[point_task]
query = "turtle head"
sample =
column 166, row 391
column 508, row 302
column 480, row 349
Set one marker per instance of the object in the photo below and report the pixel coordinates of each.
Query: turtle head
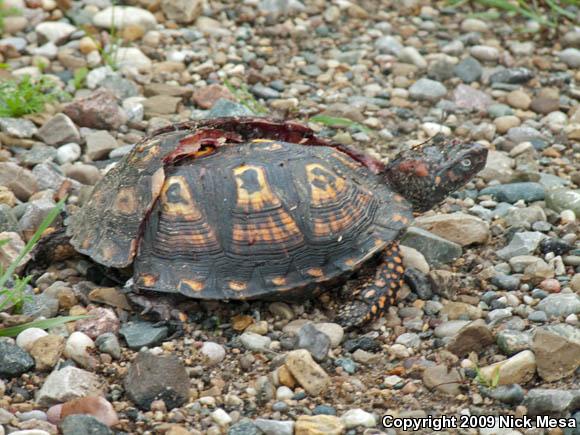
column 426, row 174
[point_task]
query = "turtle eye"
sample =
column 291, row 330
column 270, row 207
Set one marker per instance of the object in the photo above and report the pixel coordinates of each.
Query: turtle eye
column 466, row 163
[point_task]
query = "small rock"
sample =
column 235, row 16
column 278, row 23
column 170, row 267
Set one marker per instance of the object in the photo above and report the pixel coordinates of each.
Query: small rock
column 182, row 11
column 121, row 17
column 207, row 96
column 540, row 401
column 21, row 128
column 79, row 424
column 427, row 90
column 435, row 249
column 255, row 342
column 99, row 110
column 474, row 337
column 47, row 351
column 221, row 417
column 571, row 57
column 358, row 417
column 524, row 243
column 13, row 360
column 512, row 76
column 25, row 340
column 560, row 305
column 213, row 352
column 78, row 347
column 517, row 369
column 307, row 372
column 484, row 53
column 67, row 384
column 275, row 427
column 97, row 407
column 58, row 130
column 468, row 70
column 100, row 144
column 314, row 341
column 563, row 199
column 414, row 259
column 151, row 377
column 54, row 31
column 334, row 331
column 109, row 343
column 528, row 191
column 143, row 334
column 68, row 153
column 457, row 227
column 467, row 97
column 442, row 379
column 11, row 250
column 557, row 350
column 318, row 425
column 512, row 394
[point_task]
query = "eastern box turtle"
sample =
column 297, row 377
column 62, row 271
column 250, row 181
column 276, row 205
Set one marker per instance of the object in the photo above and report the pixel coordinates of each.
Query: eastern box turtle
column 245, row 208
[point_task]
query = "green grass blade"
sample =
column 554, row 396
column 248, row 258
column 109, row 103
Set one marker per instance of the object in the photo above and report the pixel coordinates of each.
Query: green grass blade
column 50, row 217
column 335, row 121
column 13, row 331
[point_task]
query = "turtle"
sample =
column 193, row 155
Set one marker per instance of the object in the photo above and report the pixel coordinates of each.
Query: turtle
column 241, row 208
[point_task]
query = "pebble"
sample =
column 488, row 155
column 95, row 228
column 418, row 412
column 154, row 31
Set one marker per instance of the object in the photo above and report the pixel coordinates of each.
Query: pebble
column 275, row 427
column 560, row 304
column 435, row 249
column 544, row 401
column 47, row 351
column 468, row 70
column 510, row 394
column 442, row 379
column 307, row 372
column 255, row 342
column 318, row 424
column 313, row 340
column 97, row 407
column 78, row 348
column 67, row 384
column 26, row 338
column 460, row 228
column 122, row 17
column 557, row 350
column 221, row 417
column 143, row 334
column 83, row 425
column 471, row 338
column 109, row 343
column 213, row 352
column 513, row 76
column 564, row 199
column 54, row 31
column 358, row 417
column 571, row 57
column 21, row 128
column 427, row 90
column 333, row 331
column 518, row 369
column 13, row 360
column 58, row 130
column 514, row 192
column 151, row 377
column 524, row 243
column 484, row 53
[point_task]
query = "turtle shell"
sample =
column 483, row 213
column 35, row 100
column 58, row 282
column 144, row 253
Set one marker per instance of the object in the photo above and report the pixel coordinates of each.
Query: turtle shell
column 252, row 217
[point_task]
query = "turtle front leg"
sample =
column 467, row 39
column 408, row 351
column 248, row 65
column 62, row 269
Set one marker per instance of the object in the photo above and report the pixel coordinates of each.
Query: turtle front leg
column 371, row 302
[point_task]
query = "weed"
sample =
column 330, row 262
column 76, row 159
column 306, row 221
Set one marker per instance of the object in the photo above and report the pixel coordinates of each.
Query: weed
column 333, row 121
column 80, row 77
column 545, row 12
column 245, row 97
column 486, row 382
column 15, row 295
column 24, row 96
column 6, row 12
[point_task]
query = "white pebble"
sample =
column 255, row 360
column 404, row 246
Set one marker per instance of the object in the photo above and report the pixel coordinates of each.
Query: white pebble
column 284, row 393
column 358, row 417
column 76, row 349
column 572, row 319
column 567, row 216
column 221, row 417
column 68, row 153
column 26, row 338
column 214, row 352
column 432, row 128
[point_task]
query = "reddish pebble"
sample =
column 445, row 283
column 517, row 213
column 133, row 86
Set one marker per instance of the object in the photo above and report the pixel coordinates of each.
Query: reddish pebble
column 102, row 320
column 98, row 407
column 551, row 285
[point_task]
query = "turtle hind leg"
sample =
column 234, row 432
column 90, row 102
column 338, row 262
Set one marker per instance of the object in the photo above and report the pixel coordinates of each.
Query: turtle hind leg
column 371, row 302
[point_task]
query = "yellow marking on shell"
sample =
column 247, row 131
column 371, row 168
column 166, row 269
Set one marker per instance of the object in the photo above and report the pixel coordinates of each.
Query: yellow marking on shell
column 279, row 280
column 237, row 286
column 346, row 160
column 185, row 207
column 374, row 309
column 398, row 198
column 193, row 284
column 350, row 262
column 400, row 269
column 147, row 280
column 315, row 272
column 391, row 265
column 262, row 140
column 126, row 200
column 370, row 294
column 382, row 301
column 380, row 282
column 397, row 260
column 279, row 228
column 257, row 200
column 146, row 152
column 324, row 185
column 437, row 180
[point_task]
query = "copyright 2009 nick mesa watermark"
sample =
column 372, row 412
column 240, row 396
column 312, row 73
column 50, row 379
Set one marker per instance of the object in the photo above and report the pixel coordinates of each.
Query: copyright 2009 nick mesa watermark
column 477, row 422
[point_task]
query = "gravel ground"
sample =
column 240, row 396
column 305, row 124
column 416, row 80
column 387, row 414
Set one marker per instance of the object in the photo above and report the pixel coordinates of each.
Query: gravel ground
column 494, row 330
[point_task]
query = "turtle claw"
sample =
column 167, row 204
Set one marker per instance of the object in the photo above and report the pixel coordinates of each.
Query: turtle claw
column 353, row 315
